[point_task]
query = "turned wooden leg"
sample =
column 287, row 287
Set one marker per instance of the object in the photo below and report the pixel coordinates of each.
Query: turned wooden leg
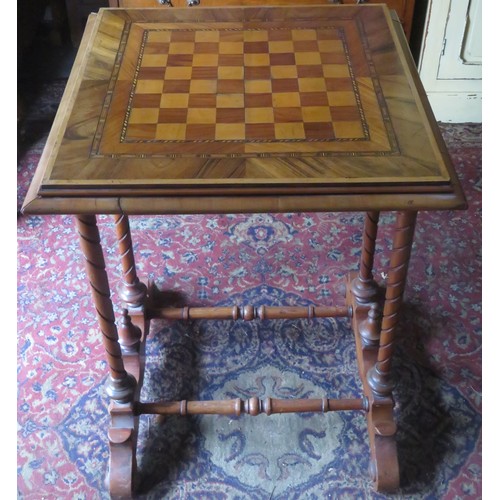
column 121, row 385
column 374, row 357
column 369, row 328
column 122, row 382
column 132, row 291
column 382, row 427
column 124, row 428
column 132, row 330
column 364, row 288
column 379, row 377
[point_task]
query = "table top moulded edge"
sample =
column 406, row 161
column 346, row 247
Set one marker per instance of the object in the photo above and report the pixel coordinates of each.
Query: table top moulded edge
column 444, row 197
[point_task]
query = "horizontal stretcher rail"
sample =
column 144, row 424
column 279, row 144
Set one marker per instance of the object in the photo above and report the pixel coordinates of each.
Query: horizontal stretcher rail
column 248, row 313
column 253, row 406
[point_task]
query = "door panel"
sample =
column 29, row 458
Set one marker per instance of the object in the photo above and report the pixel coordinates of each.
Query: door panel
column 461, row 53
column 450, row 64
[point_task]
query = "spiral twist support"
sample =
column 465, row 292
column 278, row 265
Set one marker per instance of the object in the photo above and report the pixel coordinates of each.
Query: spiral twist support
column 132, row 291
column 379, row 376
column 369, row 239
column 120, row 385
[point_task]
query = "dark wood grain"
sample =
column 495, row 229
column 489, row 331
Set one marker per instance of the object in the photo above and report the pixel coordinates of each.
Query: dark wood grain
column 244, row 110
column 403, row 8
column 258, row 105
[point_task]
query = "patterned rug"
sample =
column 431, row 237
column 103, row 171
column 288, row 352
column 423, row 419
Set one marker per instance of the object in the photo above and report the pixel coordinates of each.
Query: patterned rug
column 256, row 259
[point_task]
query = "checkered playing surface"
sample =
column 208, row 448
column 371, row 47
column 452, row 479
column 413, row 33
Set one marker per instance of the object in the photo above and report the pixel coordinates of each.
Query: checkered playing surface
column 262, row 85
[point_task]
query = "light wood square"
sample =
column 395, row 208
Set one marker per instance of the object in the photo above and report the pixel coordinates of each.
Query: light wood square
column 230, row 101
column 305, row 34
column 281, row 47
column 307, row 58
column 259, row 115
column 201, row 115
column 257, row 60
column 162, row 36
column 205, row 60
column 178, row 100
column 336, row 70
column 230, row 131
column 258, row 86
column 341, row 98
column 286, row 71
column 255, row 36
column 170, row 131
column 289, row 130
column 348, row 130
column 330, row 46
column 178, row 72
column 203, row 86
column 143, row 115
column 312, row 85
column 207, row 36
column 181, row 48
column 154, row 60
column 149, row 87
column 230, row 72
column 316, row 114
column 230, row 47
column 286, row 99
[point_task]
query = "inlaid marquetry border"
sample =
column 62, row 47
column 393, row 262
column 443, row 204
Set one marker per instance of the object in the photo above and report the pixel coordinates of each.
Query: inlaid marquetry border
column 341, row 35
column 393, row 149
column 389, row 129
column 109, row 94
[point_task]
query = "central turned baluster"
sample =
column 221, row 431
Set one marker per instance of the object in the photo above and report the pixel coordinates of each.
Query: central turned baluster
column 132, row 291
column 364, row 288
column 132, row 331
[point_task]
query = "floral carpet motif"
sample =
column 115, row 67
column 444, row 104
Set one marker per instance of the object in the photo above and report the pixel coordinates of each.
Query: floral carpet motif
column 292, row 259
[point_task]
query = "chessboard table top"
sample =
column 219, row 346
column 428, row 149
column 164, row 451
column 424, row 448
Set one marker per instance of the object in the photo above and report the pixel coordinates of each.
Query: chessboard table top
column 243, row 109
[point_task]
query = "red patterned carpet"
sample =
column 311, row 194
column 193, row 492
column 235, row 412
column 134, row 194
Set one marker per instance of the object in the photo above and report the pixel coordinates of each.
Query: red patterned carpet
column 276, row 258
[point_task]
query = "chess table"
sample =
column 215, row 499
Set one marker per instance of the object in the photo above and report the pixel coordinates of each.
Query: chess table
column 245, row 110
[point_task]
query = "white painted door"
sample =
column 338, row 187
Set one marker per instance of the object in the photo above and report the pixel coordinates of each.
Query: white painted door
column 450, row 64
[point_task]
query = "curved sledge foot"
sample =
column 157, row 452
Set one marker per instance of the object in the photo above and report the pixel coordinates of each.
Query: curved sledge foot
column 122, row 452
column 384, row 467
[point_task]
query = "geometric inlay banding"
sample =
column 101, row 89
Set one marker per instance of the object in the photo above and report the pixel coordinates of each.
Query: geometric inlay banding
column 229, row 89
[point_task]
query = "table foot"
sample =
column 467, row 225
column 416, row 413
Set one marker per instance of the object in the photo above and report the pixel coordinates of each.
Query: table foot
column 124, row 427
column 122, row 436
column 384, row 467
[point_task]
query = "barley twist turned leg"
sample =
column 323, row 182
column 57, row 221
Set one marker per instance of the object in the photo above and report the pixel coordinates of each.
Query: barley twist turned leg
column 120, row 385
column 379, row 377
column 132, row 291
